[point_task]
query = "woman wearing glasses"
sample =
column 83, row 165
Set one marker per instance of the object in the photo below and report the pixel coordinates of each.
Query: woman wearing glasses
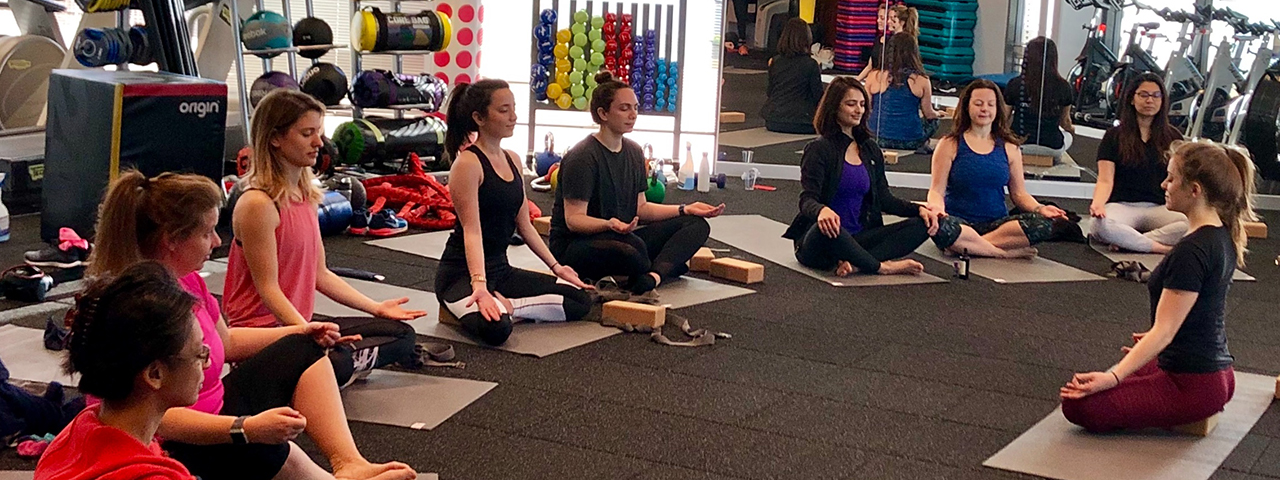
column 1128, row 203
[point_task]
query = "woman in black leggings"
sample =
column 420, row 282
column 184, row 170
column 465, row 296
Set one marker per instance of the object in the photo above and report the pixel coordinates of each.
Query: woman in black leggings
column 600, row 202
column 475, row 282
column 840, row 224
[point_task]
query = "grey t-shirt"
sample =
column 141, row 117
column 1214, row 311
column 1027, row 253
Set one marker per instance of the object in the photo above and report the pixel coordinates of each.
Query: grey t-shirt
column 609, row 181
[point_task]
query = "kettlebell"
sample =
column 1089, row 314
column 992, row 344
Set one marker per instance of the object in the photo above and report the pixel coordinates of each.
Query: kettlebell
column 545, row 159
column 657, row 191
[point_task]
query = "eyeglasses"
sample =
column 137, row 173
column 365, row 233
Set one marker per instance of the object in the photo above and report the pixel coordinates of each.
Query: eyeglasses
column 1150, row 96
column 204, row 357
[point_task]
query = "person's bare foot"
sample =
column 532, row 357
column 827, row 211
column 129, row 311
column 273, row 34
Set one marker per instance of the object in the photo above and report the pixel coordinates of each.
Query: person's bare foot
column 843, row 269
column 1113, row 247
column 1157, row 247
column 375, row 471
column 1024, row 252
column 742, row 50
column 901, row 267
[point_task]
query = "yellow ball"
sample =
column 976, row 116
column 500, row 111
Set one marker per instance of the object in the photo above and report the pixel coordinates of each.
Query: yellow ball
column 563, row 65
column 561, row 50
column 562, row 78
column 554, row 90
column 564, row 35
column 555, row 176
column 564, row 101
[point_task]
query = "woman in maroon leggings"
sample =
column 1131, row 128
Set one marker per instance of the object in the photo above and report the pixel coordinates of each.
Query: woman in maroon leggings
column 1180, row 371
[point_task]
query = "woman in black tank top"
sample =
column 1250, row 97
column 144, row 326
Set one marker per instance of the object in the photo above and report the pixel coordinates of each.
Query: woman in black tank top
column 475, row 283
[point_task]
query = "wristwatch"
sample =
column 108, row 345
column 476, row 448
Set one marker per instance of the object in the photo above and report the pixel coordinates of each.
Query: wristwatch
column 237, row 431
column 682, row 209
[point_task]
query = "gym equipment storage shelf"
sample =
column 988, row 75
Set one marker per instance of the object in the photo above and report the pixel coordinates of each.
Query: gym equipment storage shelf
column 306, row 48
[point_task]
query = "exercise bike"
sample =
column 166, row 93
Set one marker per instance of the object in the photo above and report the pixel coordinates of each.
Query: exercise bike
column 1135, row 61
column 1093, row 67
column 1182, row 79
column 26, row 62
column 1209, row 119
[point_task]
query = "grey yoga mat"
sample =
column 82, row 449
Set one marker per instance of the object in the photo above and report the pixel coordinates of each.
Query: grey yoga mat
column 420, row 402
column 1149, row 260
column 24, row 354
column 762, row 237
column 1014, row 270
column 1057, row 449
column 759, row 137
column 527, row 338
column 687, row 291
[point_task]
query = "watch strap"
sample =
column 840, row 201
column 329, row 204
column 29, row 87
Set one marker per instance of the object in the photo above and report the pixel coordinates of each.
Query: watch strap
column 237, row 431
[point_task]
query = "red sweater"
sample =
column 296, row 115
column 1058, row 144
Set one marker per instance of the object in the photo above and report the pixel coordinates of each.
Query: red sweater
column 87, row 449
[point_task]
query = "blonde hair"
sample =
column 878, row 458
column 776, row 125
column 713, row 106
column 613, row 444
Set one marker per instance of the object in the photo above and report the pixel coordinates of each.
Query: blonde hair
column 909, row 18
column 275, row 115
column 1226, row 174
column 138, row 212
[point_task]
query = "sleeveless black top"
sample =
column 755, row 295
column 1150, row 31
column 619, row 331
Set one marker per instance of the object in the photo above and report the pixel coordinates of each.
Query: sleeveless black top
column 500, row 201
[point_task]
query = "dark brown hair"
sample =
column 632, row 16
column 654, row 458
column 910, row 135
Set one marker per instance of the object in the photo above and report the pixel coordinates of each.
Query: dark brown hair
column 1162, row 134
column 138, row 212
column 1039, row 69
column 1226, row 175
column 999, row 128
column 602, row 99
column 795, row 39
column 467, row 99
column 826, row 121
column 902, row 58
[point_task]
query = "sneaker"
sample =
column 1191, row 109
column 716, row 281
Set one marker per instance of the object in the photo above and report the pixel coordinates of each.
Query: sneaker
column 25, row 283
column 359, row 222
column 55, row 337
column 71, row 251
column 385, row 223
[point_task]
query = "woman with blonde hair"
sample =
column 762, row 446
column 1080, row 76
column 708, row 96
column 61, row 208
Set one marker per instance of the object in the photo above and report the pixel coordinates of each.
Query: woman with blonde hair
column 277, row 260
column 242, row 425
column 1180, row 371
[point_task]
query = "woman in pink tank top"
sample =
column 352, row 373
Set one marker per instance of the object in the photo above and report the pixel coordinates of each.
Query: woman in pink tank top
column 241, row 425
column 277, row 261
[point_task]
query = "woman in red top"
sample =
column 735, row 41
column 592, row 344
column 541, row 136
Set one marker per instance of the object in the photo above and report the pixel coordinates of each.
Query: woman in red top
column 136, row 346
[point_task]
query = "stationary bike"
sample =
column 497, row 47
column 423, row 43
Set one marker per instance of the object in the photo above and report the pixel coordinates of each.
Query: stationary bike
column 1209, row 119
column 1182, row 79
column 27, row 60
column 1093, row 67
column 1135, row 61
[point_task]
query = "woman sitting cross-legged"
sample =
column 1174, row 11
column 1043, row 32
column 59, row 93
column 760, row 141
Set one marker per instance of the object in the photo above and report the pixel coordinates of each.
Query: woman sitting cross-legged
column 242, row 425
column 840, row 224
column 138, row 349
column 1180, row 371
column 901, row 114
column 971, row 169
column 1128, row 204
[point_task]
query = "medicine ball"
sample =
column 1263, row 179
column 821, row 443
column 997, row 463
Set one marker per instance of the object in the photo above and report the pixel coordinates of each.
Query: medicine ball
column 312, row 31
column 266, row 30
column 270, row 81
column 326, row 82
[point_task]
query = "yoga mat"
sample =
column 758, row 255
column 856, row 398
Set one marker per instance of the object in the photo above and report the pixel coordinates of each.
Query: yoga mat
column 16, row 475
column 762, row 237
column 420, row 402
column 215, row 273
column 1014, row 270
column 759, row 137
column 1055, row 448
column 526, row 338
column 685, row 292
column 24, row 354
column 1149, row 260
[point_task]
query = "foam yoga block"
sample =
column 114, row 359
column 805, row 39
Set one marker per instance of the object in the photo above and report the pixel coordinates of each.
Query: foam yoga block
column 737, row 270
column 1255, row 229
column 701, row 261
column 890, row 158
column 1200, row 429
column 638, row 314
column 733, row 117
column 542, row 225
column 1037, row 160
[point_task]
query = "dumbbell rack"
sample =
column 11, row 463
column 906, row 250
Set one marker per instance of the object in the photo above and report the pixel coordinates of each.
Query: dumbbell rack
column 644, row 16
column 267, row 63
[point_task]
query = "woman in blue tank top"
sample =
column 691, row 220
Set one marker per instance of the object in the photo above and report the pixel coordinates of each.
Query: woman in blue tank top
column 902, row 115
column 971, row 169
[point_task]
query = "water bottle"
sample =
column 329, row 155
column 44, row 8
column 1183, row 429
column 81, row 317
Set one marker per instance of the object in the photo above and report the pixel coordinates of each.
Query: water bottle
column 704, row 174
column 4, row 212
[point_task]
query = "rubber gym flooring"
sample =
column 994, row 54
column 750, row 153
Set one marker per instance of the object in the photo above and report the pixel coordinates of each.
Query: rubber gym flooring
column 914, row 382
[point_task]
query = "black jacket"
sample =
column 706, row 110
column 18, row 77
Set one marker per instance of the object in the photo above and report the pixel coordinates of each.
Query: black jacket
column 820, row 170
column 795, row 87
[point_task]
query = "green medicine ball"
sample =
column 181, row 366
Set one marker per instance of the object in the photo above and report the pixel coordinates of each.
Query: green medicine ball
column 576, row 52
column 580, row 103
column 577, row 90
column 597, row 59
column 580, row 40
column 575, row 77
column 594, row 35
column 581, row 16
column 579, row 64
column 591, row 81
column 597, row 22
column 578, row 29
column 597, row 45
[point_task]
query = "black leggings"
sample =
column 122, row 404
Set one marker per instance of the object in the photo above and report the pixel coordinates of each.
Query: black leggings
column 534, row 296
column 663, row 247
column 742, row 18
column 384, row 342
column 260, row 383
column 865, row 250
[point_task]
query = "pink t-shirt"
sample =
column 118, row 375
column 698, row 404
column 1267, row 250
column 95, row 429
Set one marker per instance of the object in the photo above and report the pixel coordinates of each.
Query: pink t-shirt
column 297, row 251
column 206, row 312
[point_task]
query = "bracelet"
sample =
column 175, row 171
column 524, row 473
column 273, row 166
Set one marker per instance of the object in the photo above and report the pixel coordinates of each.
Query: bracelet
column 1113, row 373
column 682, row 209
column 553, row 267
column 478, row 278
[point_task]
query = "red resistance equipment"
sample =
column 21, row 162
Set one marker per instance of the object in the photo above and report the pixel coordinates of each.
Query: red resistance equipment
column 419, row 198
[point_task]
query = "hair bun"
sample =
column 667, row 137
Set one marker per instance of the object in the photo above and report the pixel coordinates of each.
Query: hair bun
column 604, row 76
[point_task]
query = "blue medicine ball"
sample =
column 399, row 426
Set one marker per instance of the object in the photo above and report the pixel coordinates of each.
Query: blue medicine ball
column 546, row 59
column 546, row 46
column 671, row 104
column 266, row 30
column 659, row 103
column 544, row 32
column 549, row 17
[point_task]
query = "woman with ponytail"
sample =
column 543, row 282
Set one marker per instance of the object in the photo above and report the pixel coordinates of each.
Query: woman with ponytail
column 601, row 202
column 283, row 383
column 475, row 282
column 1180, row 371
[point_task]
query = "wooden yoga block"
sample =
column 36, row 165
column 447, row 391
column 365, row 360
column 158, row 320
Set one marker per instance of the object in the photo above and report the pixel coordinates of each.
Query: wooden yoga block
column 638, row 314
column 1277, row 387
column 1200, row 429
column 1255, row 229
column 890, row 157
column 542, row 225
column 701, row 261
column 737, row 270
column 733, row 117
column 1037, row 160
column 447, row 317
